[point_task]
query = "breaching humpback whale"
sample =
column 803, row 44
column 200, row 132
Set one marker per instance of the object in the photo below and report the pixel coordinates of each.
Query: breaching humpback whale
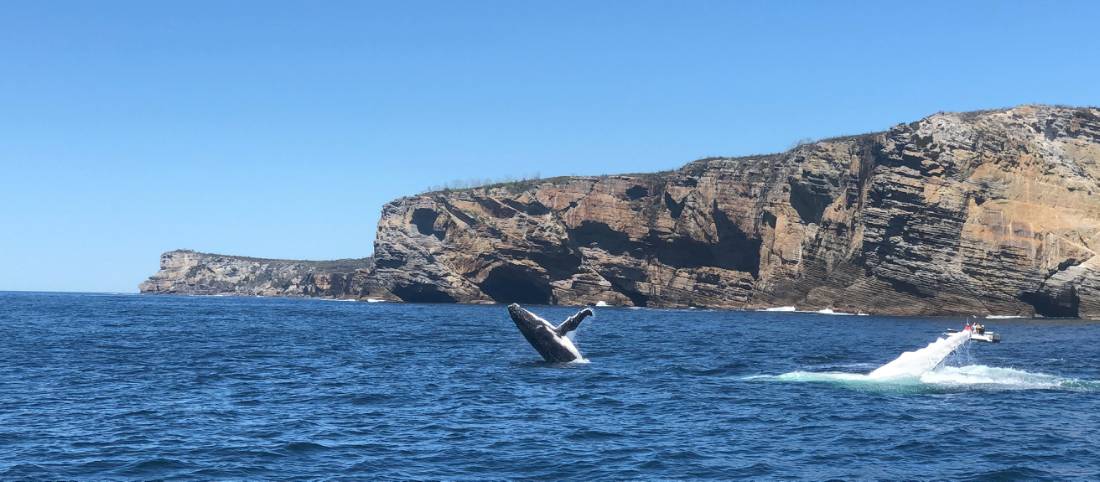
column 549, row 340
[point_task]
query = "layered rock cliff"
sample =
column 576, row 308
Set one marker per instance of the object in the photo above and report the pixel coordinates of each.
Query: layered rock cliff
column 990, row 212
column 190, row 272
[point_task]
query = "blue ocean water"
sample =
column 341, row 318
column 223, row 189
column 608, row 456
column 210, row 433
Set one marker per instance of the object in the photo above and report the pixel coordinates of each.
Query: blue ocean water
column 140, row 387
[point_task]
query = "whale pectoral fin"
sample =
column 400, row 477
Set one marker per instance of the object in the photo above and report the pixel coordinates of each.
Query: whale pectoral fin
column 573, row 322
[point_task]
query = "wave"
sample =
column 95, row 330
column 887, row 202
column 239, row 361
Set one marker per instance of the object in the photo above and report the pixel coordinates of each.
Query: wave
column 794, row 309
column 830, row 311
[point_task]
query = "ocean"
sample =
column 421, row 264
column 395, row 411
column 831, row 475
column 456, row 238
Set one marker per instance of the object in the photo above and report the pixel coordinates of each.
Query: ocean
column 102, row 386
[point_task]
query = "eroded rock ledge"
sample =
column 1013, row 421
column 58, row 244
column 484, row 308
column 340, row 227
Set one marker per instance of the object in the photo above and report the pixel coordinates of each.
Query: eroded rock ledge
column 992, row 212
column 190, row 272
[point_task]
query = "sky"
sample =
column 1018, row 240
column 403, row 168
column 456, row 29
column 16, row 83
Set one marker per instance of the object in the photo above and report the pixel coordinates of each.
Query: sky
column 279, row 129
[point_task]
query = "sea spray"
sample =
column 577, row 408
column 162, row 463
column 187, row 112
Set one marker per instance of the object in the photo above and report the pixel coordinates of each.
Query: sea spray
column 927, row 368
column 962, row 356
column 913, row 364
column 1002, row 378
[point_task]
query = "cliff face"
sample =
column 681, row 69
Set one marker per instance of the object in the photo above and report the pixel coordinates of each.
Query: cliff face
column 987, row 213
column 189, row 272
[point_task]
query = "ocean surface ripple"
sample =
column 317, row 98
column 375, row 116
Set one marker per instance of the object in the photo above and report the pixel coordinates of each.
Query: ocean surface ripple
column 166, row 387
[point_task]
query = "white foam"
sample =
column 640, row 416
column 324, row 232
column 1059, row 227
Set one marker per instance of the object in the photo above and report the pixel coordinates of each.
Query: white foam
column 374, row 300
column 1002, row 317
column 801, row 376
column 602, row 303
column 965, row 377
column 829, row 311
column 794, row 309
column 924, row 367
column 994, row 376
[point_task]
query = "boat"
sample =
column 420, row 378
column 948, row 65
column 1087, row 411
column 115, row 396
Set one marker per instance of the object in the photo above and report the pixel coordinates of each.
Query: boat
column 980, row 335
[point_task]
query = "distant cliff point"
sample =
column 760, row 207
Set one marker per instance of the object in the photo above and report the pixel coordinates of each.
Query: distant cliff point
column 190, row 272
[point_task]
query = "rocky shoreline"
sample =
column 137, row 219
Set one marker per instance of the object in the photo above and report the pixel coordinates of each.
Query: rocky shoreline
column 193, row 273
column 987, row 213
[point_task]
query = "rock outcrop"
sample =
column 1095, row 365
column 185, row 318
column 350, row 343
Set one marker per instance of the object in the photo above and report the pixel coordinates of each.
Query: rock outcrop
column 190, row 272
column 991, row 212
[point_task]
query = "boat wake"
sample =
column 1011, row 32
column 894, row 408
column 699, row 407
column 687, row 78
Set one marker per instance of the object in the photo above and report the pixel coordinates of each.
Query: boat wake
column 924, row 369
column 970, row 377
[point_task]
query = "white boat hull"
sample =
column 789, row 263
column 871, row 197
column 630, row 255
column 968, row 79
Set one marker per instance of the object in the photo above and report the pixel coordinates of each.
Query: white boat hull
column 988, row 337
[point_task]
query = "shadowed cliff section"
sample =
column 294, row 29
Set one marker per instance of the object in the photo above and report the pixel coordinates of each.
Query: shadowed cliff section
column 990, row 212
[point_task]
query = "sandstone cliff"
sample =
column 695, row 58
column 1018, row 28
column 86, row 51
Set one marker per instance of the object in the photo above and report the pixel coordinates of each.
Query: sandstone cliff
column 990, row 212
column 190, row 272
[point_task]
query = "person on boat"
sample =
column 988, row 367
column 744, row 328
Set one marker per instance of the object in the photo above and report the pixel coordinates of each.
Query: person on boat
column 967, row 327
column 980, row 328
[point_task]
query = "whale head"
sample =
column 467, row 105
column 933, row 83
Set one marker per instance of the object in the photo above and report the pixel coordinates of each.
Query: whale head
column 526, row 321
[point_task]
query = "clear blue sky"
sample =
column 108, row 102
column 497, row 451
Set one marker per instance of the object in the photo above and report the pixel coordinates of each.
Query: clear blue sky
column 279, row 129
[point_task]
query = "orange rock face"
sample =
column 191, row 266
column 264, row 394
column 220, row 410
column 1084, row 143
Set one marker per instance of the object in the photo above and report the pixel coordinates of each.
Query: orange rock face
column 981, row 213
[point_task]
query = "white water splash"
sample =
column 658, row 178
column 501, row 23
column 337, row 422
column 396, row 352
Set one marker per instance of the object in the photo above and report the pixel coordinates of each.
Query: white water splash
column 916, row 363
column 965, row 378
column 794, row 309
column 923, row 368
column 998, row 377
column 830, row 311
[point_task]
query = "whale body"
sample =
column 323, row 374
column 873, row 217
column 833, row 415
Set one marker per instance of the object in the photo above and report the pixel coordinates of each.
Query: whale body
column 549, row 340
